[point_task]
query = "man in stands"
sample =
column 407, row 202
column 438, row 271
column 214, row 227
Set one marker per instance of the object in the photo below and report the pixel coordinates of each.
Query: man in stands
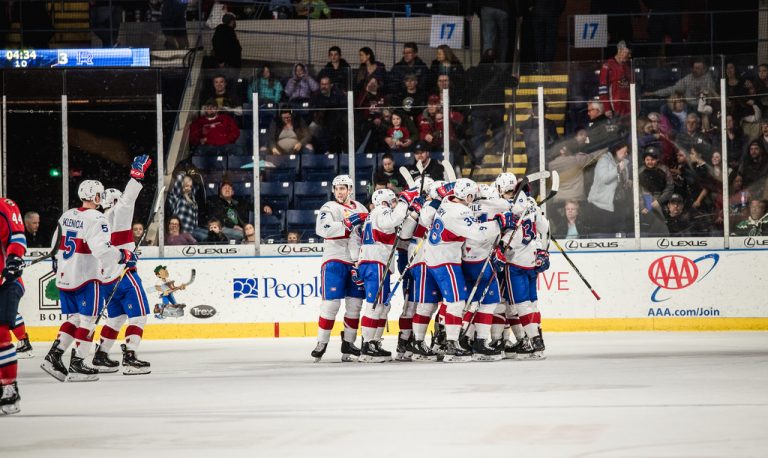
column 410, row 64
column 337, row 70
column 214, row 133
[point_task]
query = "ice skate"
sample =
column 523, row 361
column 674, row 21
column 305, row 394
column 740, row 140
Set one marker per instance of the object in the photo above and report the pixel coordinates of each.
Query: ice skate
column 349, row 352
column 319, row 351
column 537, row 347
column 370, row 353
column 386, row 354
column 79, row 371
column 53, row 365
column 403, row 349
column 24, row 349
column 455, row 354
column 438, row 342
column 133, row 365
column 10, row 399
column 483, row 352
column 421, row 351
column 511, row 349
column 103, row 363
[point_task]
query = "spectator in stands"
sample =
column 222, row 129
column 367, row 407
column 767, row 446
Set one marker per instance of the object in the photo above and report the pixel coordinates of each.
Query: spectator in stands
column 249, row 233
column 312, row 9
column 214, row 133
column 545, row 15
column 446, row 63
column 337, row 70
column 615, row 78
column 369, row 69
column 567, row 221
column 174, row 236
column 293, row 237
column 739, row 199
column 398, row 136
column 748, row 111
column 387, row 173
column 228, row 211
column 692, row 134
column 734, row 142
column 763, row 138
column 281, row 9
column 716, row 162
column 734, row 87
column 432, row 168
column 268, row 86
column 693, row 85
column 530, row 130
column 227, row 100
column 753, row 167
column 409, row 65
column 138, row 230
column 329, row 118
column 368, row 118
column 656, row 187
column 757, row 222
column 674, row 113
column 761, row 84
column 173, row 20
column 601, row 132
column 410, row 98
column 494, row 23
column 570, row 164
column 32, row 231
column 289, row 134
column 226, row 46
column 105, row 19
column 431, row 124
column 300, row 86
column 677, row 219
column 215, row 235
column 608, row 195
column 705, row 188
column 183, row 204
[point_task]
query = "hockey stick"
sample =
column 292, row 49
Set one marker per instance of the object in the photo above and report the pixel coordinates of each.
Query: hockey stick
column 182, row 286
column 449, row 172
column 420, row 167
column 576, row 269
column 155, row 209
column 52, row 253
column 407, row 175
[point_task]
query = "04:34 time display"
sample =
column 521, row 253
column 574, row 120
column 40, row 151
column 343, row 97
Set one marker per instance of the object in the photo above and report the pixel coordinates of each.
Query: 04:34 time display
column 19, row 57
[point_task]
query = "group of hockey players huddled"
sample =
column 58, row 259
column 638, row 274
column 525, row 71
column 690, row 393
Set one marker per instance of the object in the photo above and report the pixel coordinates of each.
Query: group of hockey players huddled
column 469, row 252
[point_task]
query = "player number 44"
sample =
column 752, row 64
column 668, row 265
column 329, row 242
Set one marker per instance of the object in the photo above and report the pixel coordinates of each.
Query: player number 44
column 586, row 34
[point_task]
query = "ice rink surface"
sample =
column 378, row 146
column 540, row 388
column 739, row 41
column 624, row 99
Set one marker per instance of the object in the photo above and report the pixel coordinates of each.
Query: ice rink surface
column 597, row 395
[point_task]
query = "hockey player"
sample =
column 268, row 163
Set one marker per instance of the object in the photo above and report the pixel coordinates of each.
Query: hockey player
column 13, row 245
column 85, row 249
column 129, row 302
column 23, row 347
column 336, row 223
column 452, row 226
column 525, row 258
column 380, row 233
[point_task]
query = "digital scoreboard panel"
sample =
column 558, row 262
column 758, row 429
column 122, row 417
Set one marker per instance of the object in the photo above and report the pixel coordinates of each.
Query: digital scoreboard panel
column 77, row 58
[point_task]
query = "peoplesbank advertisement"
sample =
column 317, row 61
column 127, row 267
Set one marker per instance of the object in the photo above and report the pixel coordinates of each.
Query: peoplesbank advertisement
column 282, row 289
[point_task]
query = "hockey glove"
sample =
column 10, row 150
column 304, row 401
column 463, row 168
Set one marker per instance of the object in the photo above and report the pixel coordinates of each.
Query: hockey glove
column 14, row 266
column 542, row 261
column 356, row 277
column 409, row 195
column 506, row 220
column 355, row 219
column 417, row 204
column 446, row 190
column 499, row 260
column 128, row 258
column 140, row 166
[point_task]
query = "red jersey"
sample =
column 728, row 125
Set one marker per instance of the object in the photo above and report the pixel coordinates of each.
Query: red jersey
column 615, row 78
column 12, row 240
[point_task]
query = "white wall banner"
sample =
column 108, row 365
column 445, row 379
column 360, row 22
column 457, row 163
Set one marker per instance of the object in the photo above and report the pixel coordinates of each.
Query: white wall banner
column 590, row 31
column 447, row 30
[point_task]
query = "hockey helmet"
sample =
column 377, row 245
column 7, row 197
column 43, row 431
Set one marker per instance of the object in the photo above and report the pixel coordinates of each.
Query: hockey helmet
column 110, row 198
column 383, row 195
column 465, row 189
column 343, row 180
column 506, row 182
column 89, row 189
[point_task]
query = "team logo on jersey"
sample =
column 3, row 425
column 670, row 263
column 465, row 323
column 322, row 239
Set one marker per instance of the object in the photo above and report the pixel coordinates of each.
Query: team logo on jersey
column 676, row 272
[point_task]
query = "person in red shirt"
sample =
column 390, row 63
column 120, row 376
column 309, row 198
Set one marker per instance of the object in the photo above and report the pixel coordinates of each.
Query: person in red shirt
column 615, row 77
column 214, row 133
column 13, row 245
column 398, row 137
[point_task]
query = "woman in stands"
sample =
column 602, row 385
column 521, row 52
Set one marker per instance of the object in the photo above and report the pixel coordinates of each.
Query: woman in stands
column 446, row 63
column 369, row 68
column 289, row 134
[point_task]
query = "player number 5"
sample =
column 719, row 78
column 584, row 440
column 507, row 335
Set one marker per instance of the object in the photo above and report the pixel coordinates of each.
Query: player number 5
column 69, row 244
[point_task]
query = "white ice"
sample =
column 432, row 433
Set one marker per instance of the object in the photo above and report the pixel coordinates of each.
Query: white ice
column 597, row 395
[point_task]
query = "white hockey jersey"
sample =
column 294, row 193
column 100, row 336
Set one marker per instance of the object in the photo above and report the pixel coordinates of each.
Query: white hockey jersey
column 426, row 217
column 84, row 249
column 454, row 223
column 521, row 250
column 483, row 210
column 380, row 233
column 331, row 228
column 120, row 219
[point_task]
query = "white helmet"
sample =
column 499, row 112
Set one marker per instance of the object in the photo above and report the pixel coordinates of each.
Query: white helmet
column 433, row 189
column 383, row 195
column 506, row 182
column 427, row 184
column 465, row 188
column 89, row 189
column 490, row 193
column 343, row 180
column 110, row 198
column 483, row 191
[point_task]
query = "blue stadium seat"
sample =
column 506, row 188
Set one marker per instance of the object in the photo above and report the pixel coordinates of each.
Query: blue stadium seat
column 237, row 162
column 311, row 195
column 322, row 167
column 212, row 189
column 239, row 176
column 402, row 159
column 302, row 221
column 210, row 162
column 286, row 167
column 271, row 227
column 277, row 195
column 243, row 189
column 363, row 191
column 364, row 165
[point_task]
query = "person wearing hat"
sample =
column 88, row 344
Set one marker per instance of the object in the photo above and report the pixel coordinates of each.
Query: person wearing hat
column 410, row 97
column 656, row 187
column 432, row 168
column 677, row 219
column 615, row 78
column 230, row 211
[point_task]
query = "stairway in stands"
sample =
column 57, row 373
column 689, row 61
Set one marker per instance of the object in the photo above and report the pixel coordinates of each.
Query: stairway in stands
column 555, row 94
column 66, row 16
